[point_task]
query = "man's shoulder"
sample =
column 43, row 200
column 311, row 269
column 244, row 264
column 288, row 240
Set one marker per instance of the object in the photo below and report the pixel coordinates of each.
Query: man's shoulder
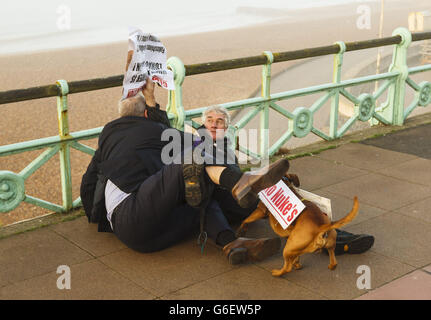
column 134, row 125
column 123, row 122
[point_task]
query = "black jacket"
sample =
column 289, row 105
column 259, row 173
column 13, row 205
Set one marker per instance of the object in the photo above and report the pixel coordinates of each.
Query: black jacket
column 129, row 151
column 222, row 149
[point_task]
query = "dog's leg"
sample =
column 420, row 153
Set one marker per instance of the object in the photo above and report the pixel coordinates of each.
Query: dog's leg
column 257, row 214
column 332, row 261
column 289, row 260
column 296, row 245
column 287, row 267
column 296, row 264
column 330, row 246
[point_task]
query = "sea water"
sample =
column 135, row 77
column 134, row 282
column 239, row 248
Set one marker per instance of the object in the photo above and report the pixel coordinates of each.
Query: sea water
column 28, row 25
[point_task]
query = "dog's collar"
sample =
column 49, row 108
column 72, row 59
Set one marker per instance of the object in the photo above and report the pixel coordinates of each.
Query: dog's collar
column 286, row 179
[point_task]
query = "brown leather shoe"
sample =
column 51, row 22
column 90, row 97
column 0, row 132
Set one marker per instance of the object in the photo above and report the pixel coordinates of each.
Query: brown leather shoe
column 244, row 250
column 251, row 183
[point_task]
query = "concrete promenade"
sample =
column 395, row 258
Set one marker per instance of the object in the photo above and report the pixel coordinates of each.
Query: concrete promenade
column 390, row 174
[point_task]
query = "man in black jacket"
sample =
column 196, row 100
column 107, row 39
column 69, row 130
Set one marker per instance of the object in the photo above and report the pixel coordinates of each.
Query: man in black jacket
column 216, row 120
column 150, row 205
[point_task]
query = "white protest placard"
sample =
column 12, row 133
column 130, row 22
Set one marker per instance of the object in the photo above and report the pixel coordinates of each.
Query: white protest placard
column 283, row 204
column 323, row 203
column 148, row 60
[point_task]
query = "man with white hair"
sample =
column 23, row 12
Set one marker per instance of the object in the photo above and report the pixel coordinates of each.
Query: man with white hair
column 150, row 205
column 216, row 120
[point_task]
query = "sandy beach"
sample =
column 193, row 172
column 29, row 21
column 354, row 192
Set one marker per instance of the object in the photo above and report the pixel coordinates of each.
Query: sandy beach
column 38, row 118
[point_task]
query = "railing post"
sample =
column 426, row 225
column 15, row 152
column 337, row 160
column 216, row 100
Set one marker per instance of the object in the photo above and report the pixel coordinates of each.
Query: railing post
column 264, row 113
column 63, row 128
column 175, row 97
column 393, row 109
column 336, row 78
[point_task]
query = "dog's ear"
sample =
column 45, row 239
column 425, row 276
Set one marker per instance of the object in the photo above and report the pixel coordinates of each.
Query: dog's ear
column 293, row 178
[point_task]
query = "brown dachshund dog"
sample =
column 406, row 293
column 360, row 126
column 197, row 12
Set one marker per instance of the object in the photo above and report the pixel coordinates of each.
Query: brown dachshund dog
column 311, row 231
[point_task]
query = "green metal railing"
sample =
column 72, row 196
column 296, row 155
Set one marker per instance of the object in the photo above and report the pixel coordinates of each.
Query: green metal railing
column 300, row 121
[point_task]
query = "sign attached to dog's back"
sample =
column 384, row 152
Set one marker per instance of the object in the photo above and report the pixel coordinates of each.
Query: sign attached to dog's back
column 283, row 204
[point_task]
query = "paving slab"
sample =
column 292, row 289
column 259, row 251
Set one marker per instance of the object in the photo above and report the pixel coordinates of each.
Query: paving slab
column 381, row 191
column 366, row 157
column 419, row 210
column 341, row 206
column 400, row 237
column 85, row 236
column 340, row 283
column 36, row 253
column 247, row 282
column 328, row 173
column 413, row 141
column 415, row 171
column 171, row 269
column 414, row 286
column 89, row 280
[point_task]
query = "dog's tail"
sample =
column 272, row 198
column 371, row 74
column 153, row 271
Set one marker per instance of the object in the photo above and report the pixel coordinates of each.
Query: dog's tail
column 343, row 221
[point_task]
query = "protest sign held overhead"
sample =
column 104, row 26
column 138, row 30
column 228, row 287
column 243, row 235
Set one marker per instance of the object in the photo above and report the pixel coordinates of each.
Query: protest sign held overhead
column 148, row 60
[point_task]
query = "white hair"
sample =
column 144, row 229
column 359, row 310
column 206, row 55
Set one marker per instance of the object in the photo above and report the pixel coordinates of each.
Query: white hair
column 134, row 106
column 218, row 110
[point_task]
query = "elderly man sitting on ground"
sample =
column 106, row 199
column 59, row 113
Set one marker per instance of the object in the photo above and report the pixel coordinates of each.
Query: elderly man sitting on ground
column 216, row 121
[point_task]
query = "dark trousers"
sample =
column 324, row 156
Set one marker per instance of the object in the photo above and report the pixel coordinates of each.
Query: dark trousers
column 230, row 208
column 157, row 216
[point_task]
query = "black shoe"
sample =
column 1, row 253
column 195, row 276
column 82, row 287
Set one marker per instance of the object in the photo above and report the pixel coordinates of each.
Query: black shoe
column 352, row 243
column 194, row 184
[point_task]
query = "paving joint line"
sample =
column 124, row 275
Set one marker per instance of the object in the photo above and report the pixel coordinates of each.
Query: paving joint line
column 400, row 179
column 361, row 201
column 295, row 283
column 397, row 278
column 73, row 243
column 367, row 169
column 397, row 260
column 426, row 271
column 410, row 217
column 127, row 278
column 426, row 198
column 120, row 273
column 200, row 281
column 338, row 182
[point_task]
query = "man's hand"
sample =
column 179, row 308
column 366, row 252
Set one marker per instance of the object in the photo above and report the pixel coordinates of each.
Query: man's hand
column 148, row 92
column 129, row 58
column 148, row 89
